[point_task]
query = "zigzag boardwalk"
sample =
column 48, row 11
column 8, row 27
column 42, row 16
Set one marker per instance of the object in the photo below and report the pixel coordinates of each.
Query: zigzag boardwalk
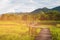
column 44, row 35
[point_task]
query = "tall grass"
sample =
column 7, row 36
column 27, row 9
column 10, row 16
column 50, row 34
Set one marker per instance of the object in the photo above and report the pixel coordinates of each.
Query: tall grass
column 55, row 33
column 16, row 31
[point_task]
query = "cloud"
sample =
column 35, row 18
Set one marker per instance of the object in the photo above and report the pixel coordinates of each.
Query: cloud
column 32, row 1
column 26, row 5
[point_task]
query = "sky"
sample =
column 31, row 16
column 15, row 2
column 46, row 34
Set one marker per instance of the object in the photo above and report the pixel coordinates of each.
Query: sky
column 26, row 5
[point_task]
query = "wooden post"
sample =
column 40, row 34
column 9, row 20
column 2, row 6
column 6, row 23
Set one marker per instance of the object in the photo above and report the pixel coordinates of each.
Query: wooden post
column 32, row 31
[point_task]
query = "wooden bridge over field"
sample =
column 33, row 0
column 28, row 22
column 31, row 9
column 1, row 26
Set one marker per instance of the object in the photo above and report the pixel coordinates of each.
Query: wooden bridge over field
column 44, row 35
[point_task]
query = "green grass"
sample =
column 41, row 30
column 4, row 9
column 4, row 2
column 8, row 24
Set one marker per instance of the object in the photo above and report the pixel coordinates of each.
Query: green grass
column 15, row 37
column 55, row 33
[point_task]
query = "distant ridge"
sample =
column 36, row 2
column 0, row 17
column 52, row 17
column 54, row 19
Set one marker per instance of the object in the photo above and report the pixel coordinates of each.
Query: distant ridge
column 46, row 9
column 56, row 8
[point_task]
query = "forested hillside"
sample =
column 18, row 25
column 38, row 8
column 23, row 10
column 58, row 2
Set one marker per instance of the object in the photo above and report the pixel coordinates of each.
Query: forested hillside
column 50, row 15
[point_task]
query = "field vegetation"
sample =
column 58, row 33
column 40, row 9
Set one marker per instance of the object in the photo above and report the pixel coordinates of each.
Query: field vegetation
column 25, row 26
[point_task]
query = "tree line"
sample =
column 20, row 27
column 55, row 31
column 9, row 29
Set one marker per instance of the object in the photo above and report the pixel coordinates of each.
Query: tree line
column 50, row 15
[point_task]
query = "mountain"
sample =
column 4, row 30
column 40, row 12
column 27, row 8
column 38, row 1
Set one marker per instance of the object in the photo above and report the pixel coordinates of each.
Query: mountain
column 41, row 9
column 46, row 9
column 56, row 8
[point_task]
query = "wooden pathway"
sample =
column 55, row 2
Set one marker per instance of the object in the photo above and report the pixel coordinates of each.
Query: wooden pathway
column 44, row 35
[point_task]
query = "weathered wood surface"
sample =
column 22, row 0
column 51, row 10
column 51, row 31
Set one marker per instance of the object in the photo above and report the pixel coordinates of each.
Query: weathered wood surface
column 44, row 35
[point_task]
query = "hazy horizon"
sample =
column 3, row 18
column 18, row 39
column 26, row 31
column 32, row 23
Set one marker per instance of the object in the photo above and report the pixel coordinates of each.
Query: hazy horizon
column 26, row 5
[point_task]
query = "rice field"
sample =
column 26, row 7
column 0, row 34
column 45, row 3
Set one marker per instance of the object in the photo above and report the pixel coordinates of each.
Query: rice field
column 21, row 31
column 16, row 31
